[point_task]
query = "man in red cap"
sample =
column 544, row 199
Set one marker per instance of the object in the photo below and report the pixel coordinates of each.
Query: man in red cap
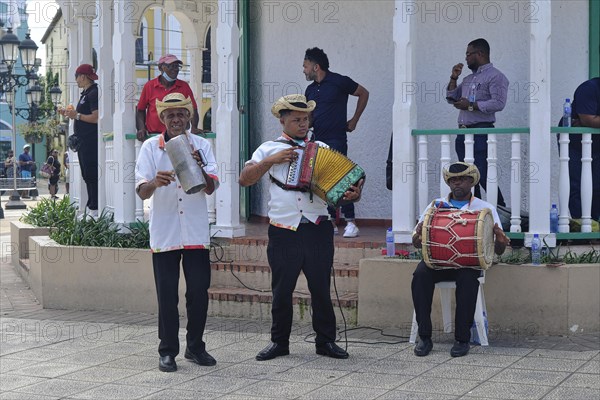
column 147, row 120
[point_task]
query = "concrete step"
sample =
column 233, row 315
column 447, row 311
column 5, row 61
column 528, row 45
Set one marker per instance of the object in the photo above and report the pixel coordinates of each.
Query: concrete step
column 246, row 303
column 253, row 250
column 257, row 275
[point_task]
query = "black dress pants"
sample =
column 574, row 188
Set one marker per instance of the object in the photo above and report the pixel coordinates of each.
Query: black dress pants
column 196, row 269
column 467, row 286
column 308, row 249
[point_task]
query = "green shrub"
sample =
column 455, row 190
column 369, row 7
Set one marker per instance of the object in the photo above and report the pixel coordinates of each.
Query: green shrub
column 103, row 232
column 51, row 213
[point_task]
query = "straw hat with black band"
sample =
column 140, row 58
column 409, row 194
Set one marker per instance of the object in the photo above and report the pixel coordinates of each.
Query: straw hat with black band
column 292, row 102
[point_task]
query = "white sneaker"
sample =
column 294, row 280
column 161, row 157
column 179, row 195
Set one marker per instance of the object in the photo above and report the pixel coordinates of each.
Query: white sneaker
column 335, row 228
column 351, row 230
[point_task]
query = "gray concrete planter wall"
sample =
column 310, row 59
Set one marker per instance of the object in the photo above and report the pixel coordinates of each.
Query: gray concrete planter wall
column 521, row 299
column 19, row 239
column 92, row 278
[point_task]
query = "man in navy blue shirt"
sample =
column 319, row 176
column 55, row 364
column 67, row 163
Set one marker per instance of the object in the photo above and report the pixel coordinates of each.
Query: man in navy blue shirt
column 585, row 112
column 329, row 120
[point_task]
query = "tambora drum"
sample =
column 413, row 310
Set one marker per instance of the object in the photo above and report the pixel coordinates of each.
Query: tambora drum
column 453, row 238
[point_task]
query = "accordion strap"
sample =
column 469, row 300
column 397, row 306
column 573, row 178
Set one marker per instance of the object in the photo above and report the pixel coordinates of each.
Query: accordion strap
column 284, row 187
column 287, row 141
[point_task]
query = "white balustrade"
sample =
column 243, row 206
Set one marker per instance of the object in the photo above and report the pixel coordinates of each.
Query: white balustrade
column 515, row 182
column 563, row 183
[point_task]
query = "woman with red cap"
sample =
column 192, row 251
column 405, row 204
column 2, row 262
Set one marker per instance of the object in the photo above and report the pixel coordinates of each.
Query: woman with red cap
column 85, row 117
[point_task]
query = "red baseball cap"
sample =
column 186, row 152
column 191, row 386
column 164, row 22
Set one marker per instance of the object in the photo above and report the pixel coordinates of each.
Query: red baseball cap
column 169, row 59
column 87, row 69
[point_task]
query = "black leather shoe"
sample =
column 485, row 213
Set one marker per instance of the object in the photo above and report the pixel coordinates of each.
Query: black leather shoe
column 459, row 349
column 331, row 350
column 271, row 351
column 423, row 347
column 167, row 364
column 202, row 359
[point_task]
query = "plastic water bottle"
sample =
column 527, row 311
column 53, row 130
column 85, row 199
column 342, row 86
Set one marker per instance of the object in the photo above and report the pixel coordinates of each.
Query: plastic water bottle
column 472, row 96
column 536, row 251
column 566, row 120
column 554, row 219
column 390, row 246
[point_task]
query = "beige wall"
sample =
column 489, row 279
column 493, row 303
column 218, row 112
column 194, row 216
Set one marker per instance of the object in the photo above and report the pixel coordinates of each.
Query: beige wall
column 520, row 299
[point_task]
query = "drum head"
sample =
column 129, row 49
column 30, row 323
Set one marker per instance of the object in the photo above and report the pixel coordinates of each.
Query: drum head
column 485, row 233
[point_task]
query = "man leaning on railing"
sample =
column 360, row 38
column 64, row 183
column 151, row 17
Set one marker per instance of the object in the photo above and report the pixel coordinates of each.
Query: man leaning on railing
column 585, row 112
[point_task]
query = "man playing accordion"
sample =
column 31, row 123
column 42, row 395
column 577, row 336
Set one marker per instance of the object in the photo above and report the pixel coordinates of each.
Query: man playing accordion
column 300, row 232
column 461, row 177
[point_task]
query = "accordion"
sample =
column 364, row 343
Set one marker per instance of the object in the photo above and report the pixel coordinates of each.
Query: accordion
column 324, row 172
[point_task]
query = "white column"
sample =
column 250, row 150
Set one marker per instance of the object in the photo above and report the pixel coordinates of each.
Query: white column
column 227, row 115
column 124, row 90
column 445, row 158
column 403, row 121
column 105, row 100
column 71, row 98
column 564, row 187
column 586, row 182
column 539, row 123
column 515, row 183
column 492, row 170
column 422, row 172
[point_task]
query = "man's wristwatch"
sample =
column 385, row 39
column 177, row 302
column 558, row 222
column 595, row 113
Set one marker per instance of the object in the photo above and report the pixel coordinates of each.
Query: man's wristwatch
column 78, row 117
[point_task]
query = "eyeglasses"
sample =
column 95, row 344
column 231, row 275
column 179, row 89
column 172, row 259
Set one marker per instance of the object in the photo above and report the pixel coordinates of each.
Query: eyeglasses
column 470, row 53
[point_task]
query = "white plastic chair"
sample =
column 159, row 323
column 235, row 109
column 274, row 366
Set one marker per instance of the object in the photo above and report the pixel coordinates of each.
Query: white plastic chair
column 445, row 289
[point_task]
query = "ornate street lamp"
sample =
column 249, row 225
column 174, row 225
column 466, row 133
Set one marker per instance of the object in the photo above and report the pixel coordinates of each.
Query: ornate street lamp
column 10, row 47
column 55, row 94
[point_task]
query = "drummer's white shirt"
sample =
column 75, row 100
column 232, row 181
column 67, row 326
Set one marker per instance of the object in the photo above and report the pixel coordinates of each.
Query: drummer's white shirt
column 474, row 205
column 177, row 220
column 286, row 207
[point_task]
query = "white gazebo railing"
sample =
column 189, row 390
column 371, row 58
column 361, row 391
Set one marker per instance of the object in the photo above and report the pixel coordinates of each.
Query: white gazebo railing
column 518, row 176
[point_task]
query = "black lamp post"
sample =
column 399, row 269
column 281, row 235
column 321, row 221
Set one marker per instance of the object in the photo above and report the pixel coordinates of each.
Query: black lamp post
column 10, row 47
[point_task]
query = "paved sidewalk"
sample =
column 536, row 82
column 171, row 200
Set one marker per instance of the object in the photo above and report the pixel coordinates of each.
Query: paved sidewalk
column 62, row 354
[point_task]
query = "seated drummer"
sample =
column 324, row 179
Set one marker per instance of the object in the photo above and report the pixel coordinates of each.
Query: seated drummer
column 461, row 177
column 300, row 233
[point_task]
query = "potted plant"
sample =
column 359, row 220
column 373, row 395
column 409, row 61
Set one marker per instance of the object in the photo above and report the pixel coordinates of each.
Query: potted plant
column 35, row 132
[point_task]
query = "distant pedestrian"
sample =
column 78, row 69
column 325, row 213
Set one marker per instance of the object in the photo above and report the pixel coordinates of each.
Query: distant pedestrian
column 53, row 180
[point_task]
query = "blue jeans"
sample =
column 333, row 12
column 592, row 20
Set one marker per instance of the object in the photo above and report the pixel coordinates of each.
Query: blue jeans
column 25, row 174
